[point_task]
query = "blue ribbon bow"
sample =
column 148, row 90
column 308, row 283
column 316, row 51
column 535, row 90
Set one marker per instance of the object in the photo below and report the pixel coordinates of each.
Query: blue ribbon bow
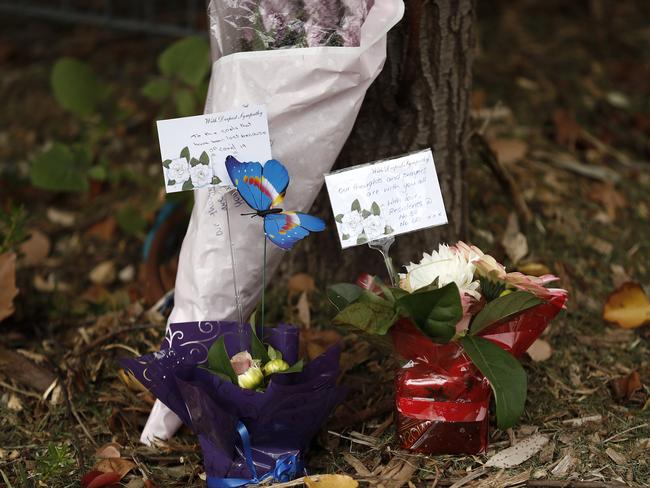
column 286, row 468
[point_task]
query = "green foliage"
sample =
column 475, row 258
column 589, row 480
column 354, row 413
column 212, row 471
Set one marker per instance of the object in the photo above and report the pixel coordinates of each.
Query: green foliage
column 57, row 461
column 13, row 228
column 297, row 367
column 258, row 351
column 503, row 308
column 491, row 290
column 187, row 59
column 60, row 168
column 219, row 361
column 182, row 86
column 76, row 87
column 131, row 220
column 506, row 376
column 435, row 311
column 343, row 294
column 371, row 316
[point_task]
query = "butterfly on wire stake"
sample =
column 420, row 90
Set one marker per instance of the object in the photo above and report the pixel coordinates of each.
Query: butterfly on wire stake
column 263, row 189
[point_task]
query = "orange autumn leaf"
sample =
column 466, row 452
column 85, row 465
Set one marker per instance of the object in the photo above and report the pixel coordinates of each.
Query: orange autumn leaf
column 8, row 290
column 628, row 306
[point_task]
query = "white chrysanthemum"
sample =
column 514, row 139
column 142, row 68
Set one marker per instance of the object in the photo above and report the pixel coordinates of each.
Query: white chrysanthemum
column 201, row 175
column 374, row 226
column 447, row 265
column 179, row 170
column 352, row 223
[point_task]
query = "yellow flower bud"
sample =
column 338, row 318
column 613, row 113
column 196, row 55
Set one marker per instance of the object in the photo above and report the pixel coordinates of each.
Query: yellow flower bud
column 251, row 379
column 275, row 366
column 505, row 292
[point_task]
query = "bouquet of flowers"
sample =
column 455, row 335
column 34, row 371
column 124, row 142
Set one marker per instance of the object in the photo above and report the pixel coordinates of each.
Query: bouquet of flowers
column 460, row 321
column 254, row 407
column 312, row 96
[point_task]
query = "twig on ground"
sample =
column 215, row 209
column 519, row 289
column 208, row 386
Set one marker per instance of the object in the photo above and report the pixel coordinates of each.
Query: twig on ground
column 100, row 340
column 573, row 484
column 625, row 432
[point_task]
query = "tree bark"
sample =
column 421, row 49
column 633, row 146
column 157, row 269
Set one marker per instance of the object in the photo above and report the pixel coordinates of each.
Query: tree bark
column 420, row 100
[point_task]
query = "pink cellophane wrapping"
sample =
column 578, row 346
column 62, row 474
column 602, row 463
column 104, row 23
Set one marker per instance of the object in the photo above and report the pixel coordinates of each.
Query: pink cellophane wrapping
column 312, row 96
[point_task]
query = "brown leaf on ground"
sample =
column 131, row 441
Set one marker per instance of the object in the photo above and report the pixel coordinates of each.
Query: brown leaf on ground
column 628, row 388
column 509, row 151
column 331, row 481
column 35, row 249
column 301, row 283
column 567, row 130
column 514, row 241
column 358, row 466
column 22, row 370
column 610, row 198
column 108, row 451
column 540, row 350
column 517, row 454
column 122, row 466
column 303, row 311
column 314, row 342
column 104, row 229
column 628, row 306
column 533, row 269
column 8, row 290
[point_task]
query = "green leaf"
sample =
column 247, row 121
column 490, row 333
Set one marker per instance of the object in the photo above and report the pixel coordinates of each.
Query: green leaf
column 388, row 230
column 434, row 310
column 194, row 162
column 76, row 87
column 131, row 220
column 59, row 169
column 274, row 353
column 157, row 90
column 343, row 294
column 387, row 291
column 185, row 102
column 362, row 239
column 187, row 59
column 215, row 180
column 98, row 172
column 219, row 361
column 503, row 308
column 507, row 377
column 204, row 158
column 166, row 163
column 258, row 351
column 187, row 185
column 185, row 153
column 374, row 317
column 339, row 218
column 295, row 368
column 365, row 214
column 374, row 208
column 345, row 237
column 356, row 205
column 171, row 182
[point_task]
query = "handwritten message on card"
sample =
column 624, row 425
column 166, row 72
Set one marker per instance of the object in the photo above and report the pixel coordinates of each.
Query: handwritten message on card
column 194, row 149
column 386, row 198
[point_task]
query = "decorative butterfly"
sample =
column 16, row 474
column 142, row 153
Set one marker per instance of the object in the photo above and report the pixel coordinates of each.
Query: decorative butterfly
column 263, row 189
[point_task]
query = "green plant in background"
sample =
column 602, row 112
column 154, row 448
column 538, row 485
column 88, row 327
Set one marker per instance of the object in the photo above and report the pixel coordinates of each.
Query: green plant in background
column 58, row 461
column 13, row 228
column 183, row 83
column 67, row 167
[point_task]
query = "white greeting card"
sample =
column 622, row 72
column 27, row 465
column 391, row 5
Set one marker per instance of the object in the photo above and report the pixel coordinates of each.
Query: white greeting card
column 386, row 198
column 194, row 149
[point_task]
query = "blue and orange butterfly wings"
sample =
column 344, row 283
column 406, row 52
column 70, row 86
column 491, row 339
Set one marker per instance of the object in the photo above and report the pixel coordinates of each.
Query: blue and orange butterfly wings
column 261, row 187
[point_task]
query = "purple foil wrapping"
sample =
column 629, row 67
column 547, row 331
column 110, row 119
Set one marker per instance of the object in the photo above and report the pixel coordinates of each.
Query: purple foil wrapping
column 281, row 420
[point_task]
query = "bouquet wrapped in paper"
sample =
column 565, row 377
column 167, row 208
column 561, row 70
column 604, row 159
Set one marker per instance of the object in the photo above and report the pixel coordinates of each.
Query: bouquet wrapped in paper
column 459, row 320
column 310, row 63
column 254, row 407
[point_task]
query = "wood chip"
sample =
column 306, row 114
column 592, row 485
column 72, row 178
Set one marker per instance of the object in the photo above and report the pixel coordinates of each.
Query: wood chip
column 540, row 350
column 564, row 465
column 616, row 456
column 517, row 454
column 358, row 466
column 583, row 420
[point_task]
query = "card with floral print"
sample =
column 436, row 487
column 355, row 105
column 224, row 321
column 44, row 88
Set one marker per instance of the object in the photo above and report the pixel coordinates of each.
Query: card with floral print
column 386, row 198
column 194, row 149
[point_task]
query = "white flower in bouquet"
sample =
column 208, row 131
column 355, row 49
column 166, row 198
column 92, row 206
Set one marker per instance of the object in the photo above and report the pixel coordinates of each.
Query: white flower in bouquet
column 374, row 226
column 179, row 170
column 447, row 266
column 352, row 223
column 201, row 175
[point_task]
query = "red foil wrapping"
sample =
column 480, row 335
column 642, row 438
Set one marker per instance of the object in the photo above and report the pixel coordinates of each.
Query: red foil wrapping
column 442, row 399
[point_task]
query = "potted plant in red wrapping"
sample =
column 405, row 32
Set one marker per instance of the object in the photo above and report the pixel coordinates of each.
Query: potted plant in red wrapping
column 460, row 321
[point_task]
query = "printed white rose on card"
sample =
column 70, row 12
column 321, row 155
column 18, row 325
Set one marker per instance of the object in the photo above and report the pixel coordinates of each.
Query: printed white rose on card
column 386, row 198
column 194, row 149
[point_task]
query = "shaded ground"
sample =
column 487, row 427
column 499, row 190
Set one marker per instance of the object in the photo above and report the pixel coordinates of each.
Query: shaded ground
column 561, row 95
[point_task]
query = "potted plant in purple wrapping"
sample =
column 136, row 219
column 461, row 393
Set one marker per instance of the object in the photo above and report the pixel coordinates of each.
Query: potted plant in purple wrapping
column 252, row 403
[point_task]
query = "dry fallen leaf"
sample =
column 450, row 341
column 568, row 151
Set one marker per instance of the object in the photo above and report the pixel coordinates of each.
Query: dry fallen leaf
column 533, row 269
column 627, row 388
column 301, row 283
column 540, row 350
column 103, row 274
column 108, row 451
column 628, row 306
column 104, row 229
column 115, row 465
column 513, row 241
column 517, row 454
column 567, row 130
column 564, row 465
column 331, row 481
column 509, row 151
column 60, row 217
column 8, row 290
column 35, row 249
column 303, row 310
column 616, row 456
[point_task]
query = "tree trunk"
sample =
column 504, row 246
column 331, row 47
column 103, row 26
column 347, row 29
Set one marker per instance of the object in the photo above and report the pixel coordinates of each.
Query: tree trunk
column 420, row 100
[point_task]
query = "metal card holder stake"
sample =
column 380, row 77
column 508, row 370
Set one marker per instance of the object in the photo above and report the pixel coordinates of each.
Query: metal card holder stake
column 383, row 246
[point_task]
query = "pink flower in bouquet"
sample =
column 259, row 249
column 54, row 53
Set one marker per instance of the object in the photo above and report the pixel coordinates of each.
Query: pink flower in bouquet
column 277, row 14
column 322, row 22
